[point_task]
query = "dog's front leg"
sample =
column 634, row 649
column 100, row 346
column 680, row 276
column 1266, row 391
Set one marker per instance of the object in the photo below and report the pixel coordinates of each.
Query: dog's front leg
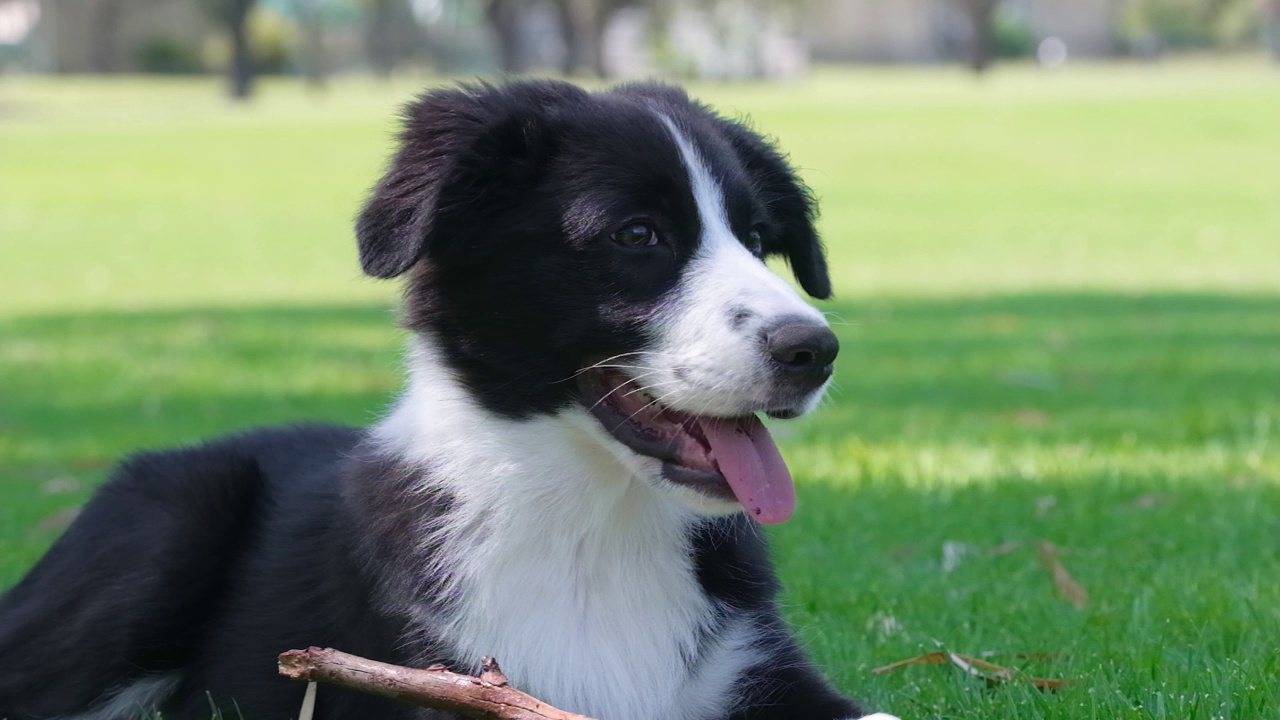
column 787, row 686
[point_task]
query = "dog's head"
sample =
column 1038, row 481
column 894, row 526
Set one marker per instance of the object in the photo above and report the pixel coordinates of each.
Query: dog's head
column 568, row 250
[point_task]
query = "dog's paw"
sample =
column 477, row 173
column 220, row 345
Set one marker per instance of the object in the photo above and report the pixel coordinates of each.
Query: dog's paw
column 879, row 716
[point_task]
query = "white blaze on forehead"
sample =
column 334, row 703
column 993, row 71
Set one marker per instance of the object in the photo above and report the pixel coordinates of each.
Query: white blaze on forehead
column 709, row 341
column 722, row 261
column 707, row 193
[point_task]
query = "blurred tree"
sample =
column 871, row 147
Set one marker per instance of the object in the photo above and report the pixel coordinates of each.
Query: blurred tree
column 392, row 33
column 1158, row 24
column 504, row 18
column 105, row 36
column 982, row 25
column 241, row 68
column 582, row 24
column 167, row 55
column 1271, row 26
column 104, row 42
column 1013, row 37
column 315, row 61
column 234, row 15
column 380, row 26
column 728, row 38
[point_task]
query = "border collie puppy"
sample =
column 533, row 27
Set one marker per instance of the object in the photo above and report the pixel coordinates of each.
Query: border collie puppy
column 572, row 482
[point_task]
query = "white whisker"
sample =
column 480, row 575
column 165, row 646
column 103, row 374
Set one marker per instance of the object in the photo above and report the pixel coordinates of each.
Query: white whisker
column 618, row 387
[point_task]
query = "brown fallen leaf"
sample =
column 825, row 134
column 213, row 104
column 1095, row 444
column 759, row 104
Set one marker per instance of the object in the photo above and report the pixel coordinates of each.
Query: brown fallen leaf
column 1149, row 501
column 90, row 462
column 1004, row 548
column 1050, row 683
column 997, row 674
column 933, row 658
column 985, row 670
column 57, row 521
column 980, row 668
column 1003, row 323
column 1030, row 417
column 902, row 552
column 1070, row 590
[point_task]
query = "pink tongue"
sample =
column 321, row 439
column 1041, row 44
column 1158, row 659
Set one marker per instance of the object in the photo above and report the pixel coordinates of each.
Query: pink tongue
column 751, row 463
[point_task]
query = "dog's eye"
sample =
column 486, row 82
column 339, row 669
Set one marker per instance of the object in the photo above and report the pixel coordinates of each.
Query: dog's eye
column 755, row 240
column 636, row 235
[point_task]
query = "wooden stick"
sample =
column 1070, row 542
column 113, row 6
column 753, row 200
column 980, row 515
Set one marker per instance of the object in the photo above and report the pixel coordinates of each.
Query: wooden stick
column 487, row 697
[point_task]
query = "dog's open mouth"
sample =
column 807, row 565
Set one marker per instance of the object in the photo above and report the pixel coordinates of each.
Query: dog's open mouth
column 728, row 458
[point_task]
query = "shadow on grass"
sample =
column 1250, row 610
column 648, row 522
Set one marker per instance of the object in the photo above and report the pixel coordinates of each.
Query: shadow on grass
column 1155, row 369
column 1168, row 515
column 1162, row 370
column 1159, row 371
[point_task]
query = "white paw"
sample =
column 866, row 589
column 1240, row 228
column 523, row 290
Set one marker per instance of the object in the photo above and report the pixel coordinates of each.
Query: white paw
column 880, row 716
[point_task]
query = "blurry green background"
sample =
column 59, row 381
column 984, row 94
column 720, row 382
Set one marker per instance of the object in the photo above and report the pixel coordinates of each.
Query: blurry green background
column 1058, row 293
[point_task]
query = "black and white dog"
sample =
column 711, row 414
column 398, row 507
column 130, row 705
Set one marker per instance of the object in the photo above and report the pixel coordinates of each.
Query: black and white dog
column 572, row 481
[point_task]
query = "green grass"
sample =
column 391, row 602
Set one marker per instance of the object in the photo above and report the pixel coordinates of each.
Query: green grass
column 1059, row 298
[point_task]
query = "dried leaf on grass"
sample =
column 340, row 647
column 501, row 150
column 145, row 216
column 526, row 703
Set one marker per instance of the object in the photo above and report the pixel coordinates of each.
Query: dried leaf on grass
column 1071, row 591
column 933, row 658
column 997, row 674
column 90, row 462
column 57, row 521
column 902, row 552
column 1004, row 548
column 1144, row 502
column 985, row 670
column 1030, row 417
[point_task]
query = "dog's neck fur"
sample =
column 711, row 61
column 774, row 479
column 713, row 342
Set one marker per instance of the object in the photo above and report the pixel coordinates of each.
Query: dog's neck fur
column 563, row 561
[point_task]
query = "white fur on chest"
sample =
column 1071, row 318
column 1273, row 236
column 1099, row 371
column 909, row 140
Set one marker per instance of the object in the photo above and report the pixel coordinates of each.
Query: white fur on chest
column 576, row 575
column 599, row 613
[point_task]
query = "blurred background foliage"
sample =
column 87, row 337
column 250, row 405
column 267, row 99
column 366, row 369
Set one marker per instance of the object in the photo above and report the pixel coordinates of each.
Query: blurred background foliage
column 724, row 39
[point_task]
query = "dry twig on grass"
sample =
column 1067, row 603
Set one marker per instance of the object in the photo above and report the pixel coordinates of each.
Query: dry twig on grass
column 487, row 697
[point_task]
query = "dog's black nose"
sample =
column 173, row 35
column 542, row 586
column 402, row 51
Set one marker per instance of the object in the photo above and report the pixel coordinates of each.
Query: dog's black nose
column 802, row 349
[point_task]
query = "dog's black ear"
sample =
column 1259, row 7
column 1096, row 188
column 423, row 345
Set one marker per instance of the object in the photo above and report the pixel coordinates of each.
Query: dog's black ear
column 459, row 148
column 790, row 204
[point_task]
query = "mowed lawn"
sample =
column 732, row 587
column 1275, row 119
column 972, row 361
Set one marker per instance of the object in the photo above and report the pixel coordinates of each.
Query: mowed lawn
column 1058, row 297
